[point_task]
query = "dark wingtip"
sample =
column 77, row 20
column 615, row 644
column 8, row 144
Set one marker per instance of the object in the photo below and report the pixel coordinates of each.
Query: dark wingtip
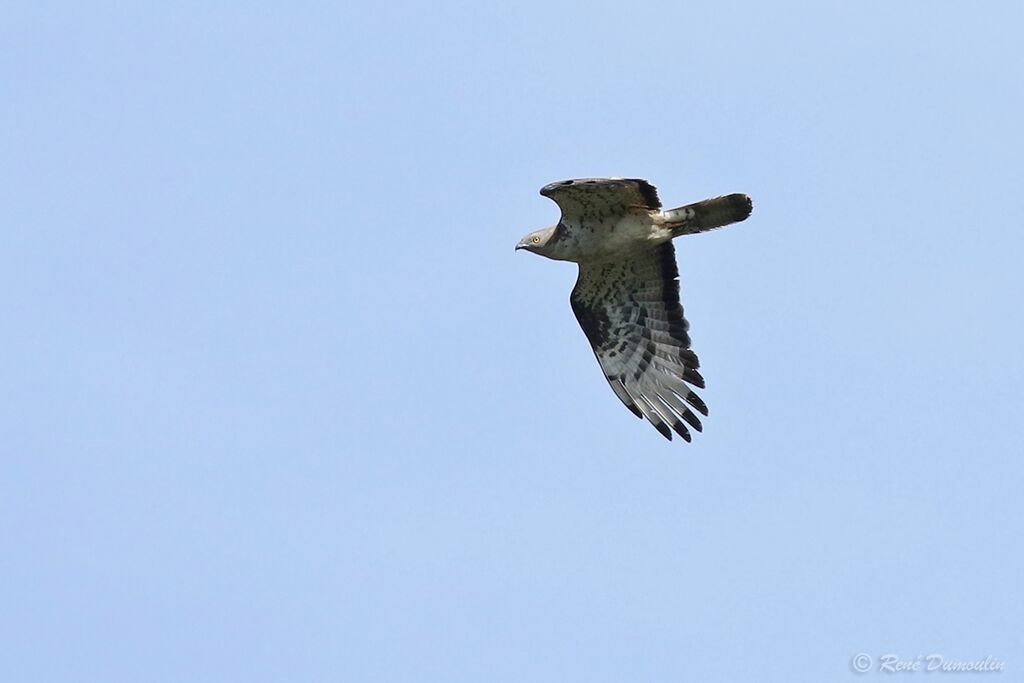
column 689, row 358
column 682, row 431
column 696, row 401
column 664, row 430
column 648, row 192
column 692, row 420
column 694, row 378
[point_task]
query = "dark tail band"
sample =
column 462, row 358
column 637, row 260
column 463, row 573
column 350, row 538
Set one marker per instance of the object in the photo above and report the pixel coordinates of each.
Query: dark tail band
column 708, row 214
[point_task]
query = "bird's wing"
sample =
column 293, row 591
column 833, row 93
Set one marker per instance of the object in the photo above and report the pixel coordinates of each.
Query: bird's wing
column 598, row 197
column 629, row 309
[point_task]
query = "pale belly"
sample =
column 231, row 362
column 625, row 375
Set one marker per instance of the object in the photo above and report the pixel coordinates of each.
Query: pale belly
column 608, row 239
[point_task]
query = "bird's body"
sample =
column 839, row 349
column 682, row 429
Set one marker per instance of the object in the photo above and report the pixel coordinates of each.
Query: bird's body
column 626, row 298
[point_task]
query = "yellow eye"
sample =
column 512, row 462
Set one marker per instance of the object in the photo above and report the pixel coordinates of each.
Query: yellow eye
column 535, row 239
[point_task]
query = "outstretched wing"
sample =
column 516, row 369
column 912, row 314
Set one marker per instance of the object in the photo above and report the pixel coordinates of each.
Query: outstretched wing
column 629, row 309
column 599, row 197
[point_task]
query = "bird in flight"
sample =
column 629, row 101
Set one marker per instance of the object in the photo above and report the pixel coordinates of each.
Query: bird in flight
column 626, row 297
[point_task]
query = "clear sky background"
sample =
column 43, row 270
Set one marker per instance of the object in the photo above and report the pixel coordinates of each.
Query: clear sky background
column 282, row 403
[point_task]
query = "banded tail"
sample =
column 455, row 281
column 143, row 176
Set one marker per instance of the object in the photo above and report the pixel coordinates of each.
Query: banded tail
column 708, row 214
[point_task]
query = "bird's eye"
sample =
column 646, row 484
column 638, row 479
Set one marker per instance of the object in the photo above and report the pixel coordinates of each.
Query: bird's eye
column 535, row 239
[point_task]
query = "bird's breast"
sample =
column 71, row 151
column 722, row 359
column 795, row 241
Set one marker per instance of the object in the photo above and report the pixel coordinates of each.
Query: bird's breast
column 598, row 239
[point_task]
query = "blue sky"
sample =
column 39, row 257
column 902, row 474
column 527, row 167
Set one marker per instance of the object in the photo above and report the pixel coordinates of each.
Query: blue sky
column 283, row 404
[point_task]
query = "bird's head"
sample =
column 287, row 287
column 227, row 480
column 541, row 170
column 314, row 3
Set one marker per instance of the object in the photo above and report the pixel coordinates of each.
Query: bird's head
column 539, row 242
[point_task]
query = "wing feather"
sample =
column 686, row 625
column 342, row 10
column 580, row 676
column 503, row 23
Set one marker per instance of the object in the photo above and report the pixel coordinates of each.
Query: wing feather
column 629, row 310
column 592, row 197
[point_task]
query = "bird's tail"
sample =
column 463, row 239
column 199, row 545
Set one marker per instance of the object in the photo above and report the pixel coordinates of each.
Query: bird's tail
column 708, row 214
